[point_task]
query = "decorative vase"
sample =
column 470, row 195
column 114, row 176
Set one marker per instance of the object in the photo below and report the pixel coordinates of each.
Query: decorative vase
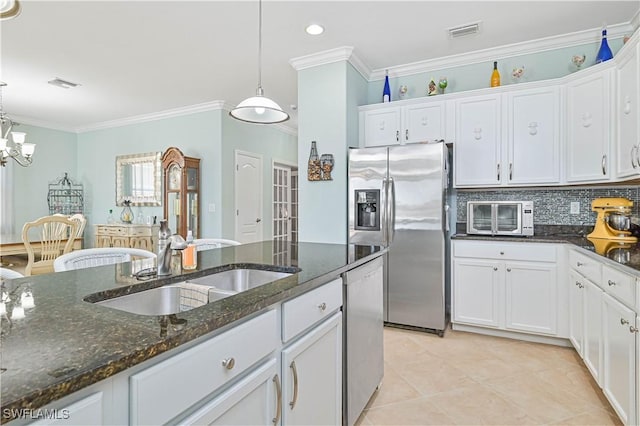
column 127, row 214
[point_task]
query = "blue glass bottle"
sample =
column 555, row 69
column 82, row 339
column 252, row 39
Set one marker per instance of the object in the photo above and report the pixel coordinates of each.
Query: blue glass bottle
column 386, row 93
column 604, row 54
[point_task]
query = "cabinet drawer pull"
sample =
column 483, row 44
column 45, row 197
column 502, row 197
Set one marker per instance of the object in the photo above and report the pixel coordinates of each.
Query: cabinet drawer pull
column 322, row 306
column 611, row 283
column 397, row 135
column 276, row 419
column 295, row 384
column 604, row 165
column 495, row 268
column 624, row 321
column 502, row 253
column 406, row 134
column 579, row 264
column 579, row 284
column 229, row 363
column 634, row 151
column 498, row 171
column 510, row 171
column 508, row 269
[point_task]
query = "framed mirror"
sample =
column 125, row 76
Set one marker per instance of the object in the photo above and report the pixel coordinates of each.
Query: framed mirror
column 139, row 179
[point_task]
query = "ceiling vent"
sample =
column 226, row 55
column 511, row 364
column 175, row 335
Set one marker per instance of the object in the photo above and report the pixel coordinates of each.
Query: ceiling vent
column 464, row 30
column 62, row 83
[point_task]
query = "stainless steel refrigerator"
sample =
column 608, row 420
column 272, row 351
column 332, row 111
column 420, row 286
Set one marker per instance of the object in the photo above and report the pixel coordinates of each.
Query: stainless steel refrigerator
column 398, row 198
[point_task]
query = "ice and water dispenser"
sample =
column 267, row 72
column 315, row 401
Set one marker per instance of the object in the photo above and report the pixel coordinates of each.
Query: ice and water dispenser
column 367, row 209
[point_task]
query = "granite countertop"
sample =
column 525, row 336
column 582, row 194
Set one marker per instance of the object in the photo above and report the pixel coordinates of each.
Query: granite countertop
column 65, row 343
column 625, row 255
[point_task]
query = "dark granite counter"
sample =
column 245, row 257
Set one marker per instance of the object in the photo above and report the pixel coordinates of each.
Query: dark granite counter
column 65, row 343
column 626, row 255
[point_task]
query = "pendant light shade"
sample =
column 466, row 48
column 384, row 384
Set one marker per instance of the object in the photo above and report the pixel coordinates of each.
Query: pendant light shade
column 259, row 109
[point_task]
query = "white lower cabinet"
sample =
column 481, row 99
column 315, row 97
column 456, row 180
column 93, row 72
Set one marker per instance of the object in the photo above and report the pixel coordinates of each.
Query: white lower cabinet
column 312, row 376
column 576, row 311
column 476, row 292
column 252, row 401
column 86, row 411
column 503, row 290
column 619, row 343
column 592, row 341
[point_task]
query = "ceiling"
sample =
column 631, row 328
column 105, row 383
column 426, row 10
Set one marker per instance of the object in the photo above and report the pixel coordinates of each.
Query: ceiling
column 141, row 57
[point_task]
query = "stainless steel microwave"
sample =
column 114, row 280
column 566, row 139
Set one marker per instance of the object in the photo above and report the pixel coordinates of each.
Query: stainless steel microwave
column 500, row 218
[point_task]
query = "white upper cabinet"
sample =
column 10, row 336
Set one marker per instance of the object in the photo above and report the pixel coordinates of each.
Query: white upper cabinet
column 627, row 111
column 400, row 124
column 477, row 148
column 533, row 136
column 380, row 127
column 589, row 128
column 423, row 122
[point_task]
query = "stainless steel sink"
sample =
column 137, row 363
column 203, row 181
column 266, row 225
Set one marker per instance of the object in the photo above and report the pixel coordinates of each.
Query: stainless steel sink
column 156, row 301
column 237, row 280
column 181, row 297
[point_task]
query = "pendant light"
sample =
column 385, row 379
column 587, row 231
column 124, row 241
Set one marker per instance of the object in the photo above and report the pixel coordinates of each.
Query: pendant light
column 259, row 109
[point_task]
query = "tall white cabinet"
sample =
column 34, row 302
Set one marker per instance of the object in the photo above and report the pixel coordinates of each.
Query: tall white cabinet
column 628, row 111
column 588, row 127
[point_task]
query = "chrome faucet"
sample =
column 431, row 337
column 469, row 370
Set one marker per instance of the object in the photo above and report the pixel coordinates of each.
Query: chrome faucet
column 174, row 242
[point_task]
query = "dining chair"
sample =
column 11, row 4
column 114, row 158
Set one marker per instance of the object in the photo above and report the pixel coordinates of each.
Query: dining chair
column 9, row 274
column 79, row 218
column 87, row 258
column 50, row 236
column 211, row 243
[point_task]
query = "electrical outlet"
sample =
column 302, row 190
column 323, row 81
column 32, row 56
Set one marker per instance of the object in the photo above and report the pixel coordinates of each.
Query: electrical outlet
column 212, row 208
column 575, row 207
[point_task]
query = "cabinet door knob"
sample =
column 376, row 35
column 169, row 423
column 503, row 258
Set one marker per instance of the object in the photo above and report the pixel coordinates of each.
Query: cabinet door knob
column 624, row 321
column 495, row 268
column 633, row 329
column 634, row 151
column 229, row 363
column 579, row 264
column 397, row 135
column 502, row 253
column 508, row 269
column 258, row 220
column 604, row 165
column 406, row 134
column 322, row 306
column 611, row 283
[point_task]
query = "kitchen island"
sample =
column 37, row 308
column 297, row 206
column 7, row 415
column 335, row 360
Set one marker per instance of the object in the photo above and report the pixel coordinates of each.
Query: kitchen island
column 66, row 343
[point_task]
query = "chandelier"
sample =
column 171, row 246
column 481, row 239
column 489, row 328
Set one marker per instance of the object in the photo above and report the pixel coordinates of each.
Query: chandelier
column 16, row 148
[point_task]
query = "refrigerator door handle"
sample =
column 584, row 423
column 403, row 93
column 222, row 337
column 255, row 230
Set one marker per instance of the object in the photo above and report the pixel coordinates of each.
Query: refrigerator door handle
column 384, row 213
column 392, row 211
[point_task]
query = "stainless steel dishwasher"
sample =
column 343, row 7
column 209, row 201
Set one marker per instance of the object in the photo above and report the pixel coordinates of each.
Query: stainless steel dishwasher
column 363, row 341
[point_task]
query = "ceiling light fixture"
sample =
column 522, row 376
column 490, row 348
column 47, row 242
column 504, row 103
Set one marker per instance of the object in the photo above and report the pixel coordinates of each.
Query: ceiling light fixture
column 259, row 109
column 18, row 150
column 9, row 9
column 314, row 29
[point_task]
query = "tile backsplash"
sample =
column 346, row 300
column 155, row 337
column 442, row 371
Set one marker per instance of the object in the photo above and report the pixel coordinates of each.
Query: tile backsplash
column 552, row 206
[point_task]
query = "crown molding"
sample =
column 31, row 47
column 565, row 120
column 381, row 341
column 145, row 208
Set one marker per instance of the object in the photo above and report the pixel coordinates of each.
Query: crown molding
column 635, row 21
column 286, row 129
column 506, row 51
column 18, row 119
column 169, row 113
column 345, row 53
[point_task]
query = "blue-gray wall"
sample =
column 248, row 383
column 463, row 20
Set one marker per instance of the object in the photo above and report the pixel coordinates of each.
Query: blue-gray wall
column 89, row 158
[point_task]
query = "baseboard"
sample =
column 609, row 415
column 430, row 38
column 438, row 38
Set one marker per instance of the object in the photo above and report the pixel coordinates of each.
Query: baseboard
column 558, row 341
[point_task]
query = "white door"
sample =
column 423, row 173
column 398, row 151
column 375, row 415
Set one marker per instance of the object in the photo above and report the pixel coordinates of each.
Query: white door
column 382, row 127
column 628, row 114
column 619, row 358
column 576, row 311
column 423, row 122
column 478, row 142
column 588, row 128
column 476, row 292
column 248, row 195
column 534, row 136
column 531, row 297
column 592, row 341
column 312, row 376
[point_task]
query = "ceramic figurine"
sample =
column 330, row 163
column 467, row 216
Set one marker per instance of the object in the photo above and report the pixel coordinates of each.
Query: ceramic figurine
column 517, row 74
column 578, row 60
column 433, row 89
column 443, row 83
column 402, row 92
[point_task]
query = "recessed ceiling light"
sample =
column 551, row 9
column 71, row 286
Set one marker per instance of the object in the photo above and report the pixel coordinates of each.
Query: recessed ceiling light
column 314, row 29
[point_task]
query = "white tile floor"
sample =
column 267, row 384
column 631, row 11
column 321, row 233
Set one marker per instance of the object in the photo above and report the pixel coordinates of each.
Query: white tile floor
column 472, row 379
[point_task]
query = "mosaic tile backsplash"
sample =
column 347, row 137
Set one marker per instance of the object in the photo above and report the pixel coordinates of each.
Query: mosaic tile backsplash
column 552, row 206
